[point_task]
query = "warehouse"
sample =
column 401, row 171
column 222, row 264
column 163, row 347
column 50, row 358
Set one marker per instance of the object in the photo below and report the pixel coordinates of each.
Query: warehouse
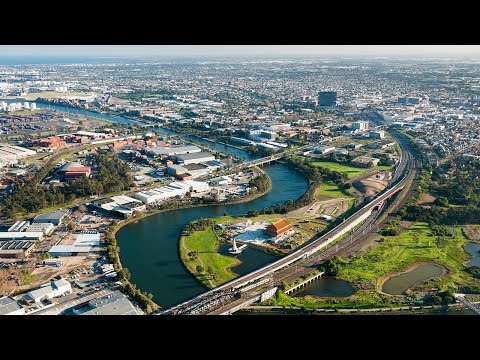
column 54, row 217
column 54, row 289
column 194, row 158
column 25, row 226
column 221, row 180
column 10, row 306
column 159, row 194
column 176, row 150
column 16, row 249
column 176, row 170
column 114, row 303
column 21, row 235
column 17, row 151
column 87, row 238
column 122, row 204
column 197, row 186
column 68, row 250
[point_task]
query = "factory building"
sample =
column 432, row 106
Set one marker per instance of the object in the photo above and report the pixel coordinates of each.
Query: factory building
column 114, row 303
column 175, row 150
column 16, row 249
column 55, row 217
column 10, row 306
column 21, row 235
column 49, row 291
column 194, row 158
column 69, row 250
column 121, row 204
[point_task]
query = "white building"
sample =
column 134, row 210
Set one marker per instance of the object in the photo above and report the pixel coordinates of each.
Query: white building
column 49, row 291
column 360, row 125
column 10, row 306
column 380, row 134
column 323, row 149
column 197, row 186
column 221, row 180
column 21, row 235
column 68, row 250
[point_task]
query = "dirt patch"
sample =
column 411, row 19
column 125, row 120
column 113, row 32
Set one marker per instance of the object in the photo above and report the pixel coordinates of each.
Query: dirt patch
column 426, row 200
column 472, row 232
column 406, row 224
column 372, row 185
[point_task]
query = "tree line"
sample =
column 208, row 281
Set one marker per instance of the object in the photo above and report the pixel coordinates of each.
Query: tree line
column 29, row 196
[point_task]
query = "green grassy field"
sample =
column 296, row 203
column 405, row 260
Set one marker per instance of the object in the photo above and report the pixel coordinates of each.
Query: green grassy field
column 414, row 244
column 395, row 253
column 331, row 190
column 350, row 171
column 206, row 245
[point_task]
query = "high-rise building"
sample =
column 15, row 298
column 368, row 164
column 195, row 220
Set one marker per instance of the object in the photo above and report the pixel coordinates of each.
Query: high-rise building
column 360, row 125
column 327, row 98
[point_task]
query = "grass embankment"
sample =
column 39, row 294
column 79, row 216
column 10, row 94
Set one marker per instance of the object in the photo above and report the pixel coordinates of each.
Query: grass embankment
column 394, row 254
column 350, row 171
column 331, row 190
column 200, row 250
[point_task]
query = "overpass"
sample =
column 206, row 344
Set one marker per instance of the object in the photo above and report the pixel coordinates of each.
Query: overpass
column 474, row 307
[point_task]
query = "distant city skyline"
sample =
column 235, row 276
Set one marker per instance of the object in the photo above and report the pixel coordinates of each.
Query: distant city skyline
column 238, row 50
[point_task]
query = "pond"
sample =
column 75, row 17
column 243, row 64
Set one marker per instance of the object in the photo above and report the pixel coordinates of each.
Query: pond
column 327, row 286
column 474, row 250
column 398, row 284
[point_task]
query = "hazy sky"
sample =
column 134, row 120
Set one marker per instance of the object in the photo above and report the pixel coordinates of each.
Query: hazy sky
column 236, row 50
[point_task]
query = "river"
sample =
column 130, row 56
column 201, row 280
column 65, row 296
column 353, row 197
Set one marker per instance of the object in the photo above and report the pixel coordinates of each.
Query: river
column 149, row 247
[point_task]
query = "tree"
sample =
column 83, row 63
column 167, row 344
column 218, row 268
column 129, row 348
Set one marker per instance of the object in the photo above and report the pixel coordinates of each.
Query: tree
column 124, row 274
column 199, row 269
column 441, row 201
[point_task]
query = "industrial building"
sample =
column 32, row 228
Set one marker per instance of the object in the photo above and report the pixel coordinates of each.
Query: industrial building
column 221, row 180
column 16, row 249
column 176, row 170
column 177, row 188
column 21, row 235
column 122, row 204
column 87, row 238
column 10, row 306
column 263, row 135
column 194, row 158
column 49, row 291
column 114, row 303
column 360, row 125
column 54, row 217
column 175, row 150
column 10, row 154
column 72, row 171
column 69, row 250
column 26, row 226
column 278, row 228
column 327, row 98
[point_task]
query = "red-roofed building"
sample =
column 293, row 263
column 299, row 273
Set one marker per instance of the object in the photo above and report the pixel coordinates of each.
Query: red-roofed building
column 278, row 228
column 52, row 142
column 75, row 172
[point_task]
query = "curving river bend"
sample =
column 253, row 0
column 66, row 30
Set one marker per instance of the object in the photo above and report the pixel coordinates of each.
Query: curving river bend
column 149, row 248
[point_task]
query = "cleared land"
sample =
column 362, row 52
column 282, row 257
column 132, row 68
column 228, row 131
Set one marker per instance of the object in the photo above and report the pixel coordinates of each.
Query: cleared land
column 372, row 185
column 426, row 199
column 472, row 232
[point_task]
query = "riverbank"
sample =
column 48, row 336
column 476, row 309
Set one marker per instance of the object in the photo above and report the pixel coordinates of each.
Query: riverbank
column 145, row 299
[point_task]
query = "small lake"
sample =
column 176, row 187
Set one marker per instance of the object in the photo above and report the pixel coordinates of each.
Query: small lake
column 251, row 259
column 474, row 250
column 327, row 286
column 398, row 284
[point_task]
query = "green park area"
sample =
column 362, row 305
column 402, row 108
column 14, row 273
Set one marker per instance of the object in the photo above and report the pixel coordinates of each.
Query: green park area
column 331, row 190
column 394, row 254
column 350, row 171
column 198, row 252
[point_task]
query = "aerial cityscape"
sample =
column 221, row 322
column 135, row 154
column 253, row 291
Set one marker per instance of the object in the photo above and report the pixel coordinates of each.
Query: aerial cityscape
column 210, row 180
